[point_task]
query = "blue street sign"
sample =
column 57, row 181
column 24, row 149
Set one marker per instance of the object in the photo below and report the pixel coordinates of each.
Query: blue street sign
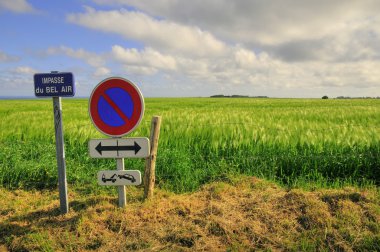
column 54, row 84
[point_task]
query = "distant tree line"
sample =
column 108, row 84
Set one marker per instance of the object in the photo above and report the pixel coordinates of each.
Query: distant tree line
column 262, row 96
column 348, row 97
column 236, row 96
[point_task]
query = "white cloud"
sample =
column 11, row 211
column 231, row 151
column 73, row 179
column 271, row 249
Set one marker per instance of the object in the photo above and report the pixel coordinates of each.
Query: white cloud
column 17, row 81
column 102, row 71
column 4, row 57
column 240, row 46
column 293, row 30
column 244, row 58
column 18, row 6
column 147, row 57
column 90, row 58
column 157, row 33
column 240, row 69
column 269, row 21
column 139, row 70
column 25, row 70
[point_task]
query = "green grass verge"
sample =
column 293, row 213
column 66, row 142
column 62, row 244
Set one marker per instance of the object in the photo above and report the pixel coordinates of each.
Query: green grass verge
column 297, row 142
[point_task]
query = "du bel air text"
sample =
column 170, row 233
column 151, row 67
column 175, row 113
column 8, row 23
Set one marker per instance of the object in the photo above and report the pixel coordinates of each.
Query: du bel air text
column 61, row 84
column 54, row 89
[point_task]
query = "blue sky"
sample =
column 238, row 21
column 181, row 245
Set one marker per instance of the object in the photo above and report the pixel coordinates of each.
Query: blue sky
column 288, row 48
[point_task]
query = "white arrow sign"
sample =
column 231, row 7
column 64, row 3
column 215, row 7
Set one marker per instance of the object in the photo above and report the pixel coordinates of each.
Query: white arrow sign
column 137, row 147
column 119, row 178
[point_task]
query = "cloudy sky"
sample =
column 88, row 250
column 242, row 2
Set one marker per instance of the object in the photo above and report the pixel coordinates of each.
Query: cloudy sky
column 277, row 48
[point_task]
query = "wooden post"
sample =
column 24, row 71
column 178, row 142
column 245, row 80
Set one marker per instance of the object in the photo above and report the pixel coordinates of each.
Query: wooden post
column 150, row 162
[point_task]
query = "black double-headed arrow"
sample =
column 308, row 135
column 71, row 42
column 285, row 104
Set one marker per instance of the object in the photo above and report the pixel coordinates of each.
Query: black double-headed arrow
column 134, row 147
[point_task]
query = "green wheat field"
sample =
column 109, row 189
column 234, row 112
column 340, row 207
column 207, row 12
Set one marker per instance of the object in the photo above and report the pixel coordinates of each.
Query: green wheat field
column 295, row 142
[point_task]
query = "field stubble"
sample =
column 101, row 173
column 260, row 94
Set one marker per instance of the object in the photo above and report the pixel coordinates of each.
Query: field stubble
column 246, row 214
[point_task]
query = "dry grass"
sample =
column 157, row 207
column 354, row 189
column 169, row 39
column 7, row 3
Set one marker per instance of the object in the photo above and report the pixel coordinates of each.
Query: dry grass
column 249, row 214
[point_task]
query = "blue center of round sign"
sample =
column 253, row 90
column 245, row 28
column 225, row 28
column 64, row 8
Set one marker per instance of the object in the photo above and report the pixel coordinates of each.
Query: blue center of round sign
column 113, row 102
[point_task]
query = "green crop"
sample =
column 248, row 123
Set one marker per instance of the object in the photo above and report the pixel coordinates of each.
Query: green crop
column 298, row 142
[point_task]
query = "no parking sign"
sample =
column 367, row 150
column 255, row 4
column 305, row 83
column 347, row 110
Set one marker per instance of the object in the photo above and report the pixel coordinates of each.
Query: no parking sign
column 116, row 106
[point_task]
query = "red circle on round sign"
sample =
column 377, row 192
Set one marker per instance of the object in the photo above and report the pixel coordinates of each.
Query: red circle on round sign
column 116, row 106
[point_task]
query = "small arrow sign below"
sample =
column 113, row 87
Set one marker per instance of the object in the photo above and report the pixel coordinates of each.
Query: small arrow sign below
column 138, row 147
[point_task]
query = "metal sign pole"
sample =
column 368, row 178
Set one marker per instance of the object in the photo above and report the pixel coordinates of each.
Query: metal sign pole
column 60, row 151
column 121, row 189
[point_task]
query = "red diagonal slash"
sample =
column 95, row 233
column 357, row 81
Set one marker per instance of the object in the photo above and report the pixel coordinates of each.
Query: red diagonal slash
column 116, row 108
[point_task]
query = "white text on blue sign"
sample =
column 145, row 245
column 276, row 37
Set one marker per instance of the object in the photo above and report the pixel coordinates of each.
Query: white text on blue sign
column 54, row 84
